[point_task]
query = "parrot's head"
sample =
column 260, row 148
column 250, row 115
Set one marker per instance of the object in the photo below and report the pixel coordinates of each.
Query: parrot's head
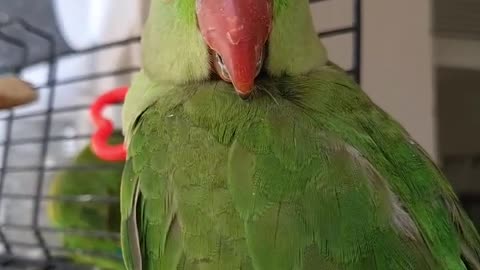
column 236, row 31
column 230, row 40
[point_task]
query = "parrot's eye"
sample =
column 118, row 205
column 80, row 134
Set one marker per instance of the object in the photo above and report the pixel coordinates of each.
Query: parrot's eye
column 223, row 69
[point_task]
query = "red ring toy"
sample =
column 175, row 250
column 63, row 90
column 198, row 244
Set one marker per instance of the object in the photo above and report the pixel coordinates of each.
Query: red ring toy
column 99, row 141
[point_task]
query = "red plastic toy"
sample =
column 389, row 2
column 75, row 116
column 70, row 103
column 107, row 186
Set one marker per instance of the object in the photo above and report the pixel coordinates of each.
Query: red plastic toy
column 105, row 127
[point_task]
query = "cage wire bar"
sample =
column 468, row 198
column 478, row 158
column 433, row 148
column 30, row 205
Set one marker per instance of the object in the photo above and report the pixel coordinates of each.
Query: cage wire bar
column 8, row 258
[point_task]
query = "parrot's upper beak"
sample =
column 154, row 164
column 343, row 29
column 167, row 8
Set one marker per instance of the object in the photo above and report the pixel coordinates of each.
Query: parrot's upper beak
column 237, row 31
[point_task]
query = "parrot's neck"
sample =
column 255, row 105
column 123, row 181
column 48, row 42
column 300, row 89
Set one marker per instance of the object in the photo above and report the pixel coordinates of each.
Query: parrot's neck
column 294, row 47
column 172, row 46
column 174, row 50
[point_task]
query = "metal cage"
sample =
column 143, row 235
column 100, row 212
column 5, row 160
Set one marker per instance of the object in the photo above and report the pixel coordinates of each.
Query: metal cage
column 16, row 253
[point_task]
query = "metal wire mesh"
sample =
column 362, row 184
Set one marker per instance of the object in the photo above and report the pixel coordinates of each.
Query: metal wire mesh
column 41, row 252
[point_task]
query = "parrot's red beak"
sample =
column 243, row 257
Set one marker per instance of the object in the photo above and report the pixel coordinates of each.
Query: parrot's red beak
column 236, row 31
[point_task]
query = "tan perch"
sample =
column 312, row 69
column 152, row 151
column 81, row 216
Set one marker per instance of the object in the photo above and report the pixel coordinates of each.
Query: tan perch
column 15, row 92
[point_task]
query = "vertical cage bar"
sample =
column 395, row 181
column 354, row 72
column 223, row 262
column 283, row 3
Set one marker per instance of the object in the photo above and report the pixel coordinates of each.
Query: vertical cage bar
column 52, row 71
column 9, row 122
column 357, row 46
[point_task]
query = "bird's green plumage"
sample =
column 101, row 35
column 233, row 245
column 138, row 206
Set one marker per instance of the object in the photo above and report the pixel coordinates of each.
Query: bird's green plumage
column 308, row 174
column 72, row 210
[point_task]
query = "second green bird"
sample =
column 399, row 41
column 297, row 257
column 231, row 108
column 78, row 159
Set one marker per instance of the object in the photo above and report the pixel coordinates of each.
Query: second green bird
column 80, row 212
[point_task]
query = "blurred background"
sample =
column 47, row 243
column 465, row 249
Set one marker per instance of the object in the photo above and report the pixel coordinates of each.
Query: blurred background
column 418, row 60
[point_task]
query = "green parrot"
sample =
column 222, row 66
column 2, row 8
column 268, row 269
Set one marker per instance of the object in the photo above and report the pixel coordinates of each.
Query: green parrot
column 88, row 216
column 247, row 151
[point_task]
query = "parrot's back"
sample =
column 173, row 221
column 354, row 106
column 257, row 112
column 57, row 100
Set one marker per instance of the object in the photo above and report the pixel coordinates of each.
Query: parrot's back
column 309, row 174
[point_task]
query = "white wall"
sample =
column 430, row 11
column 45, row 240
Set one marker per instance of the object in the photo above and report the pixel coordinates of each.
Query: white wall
column 397, row 58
